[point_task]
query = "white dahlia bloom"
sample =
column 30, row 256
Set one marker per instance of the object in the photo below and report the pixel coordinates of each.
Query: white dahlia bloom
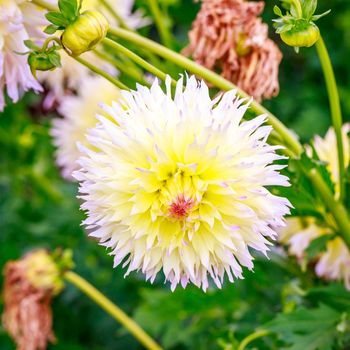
column 331, row 264
column 19, row 21
column 79, row 113
column 179, row 184
column 299, row 233
column 334, row 264
column 327, row 151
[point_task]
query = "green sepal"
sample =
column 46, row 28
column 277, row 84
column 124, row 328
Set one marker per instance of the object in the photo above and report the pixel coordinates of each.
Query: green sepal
column 57, row 19
column 51, row 29
column 31, row 45
column 69, row 9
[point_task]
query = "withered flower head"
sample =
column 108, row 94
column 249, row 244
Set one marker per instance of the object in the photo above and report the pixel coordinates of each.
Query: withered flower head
column 228, row 36
column 30, row 283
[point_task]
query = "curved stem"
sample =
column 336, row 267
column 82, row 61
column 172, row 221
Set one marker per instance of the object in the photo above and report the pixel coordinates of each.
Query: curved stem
column 115, row 14
column 211, row 77
column 252, row 337
column 47, row 42
column 102, row 73
column 338, row 211
column 112, row 309
column 140, row 61
column 162, row 27
column 127, row 69
column 334, row 101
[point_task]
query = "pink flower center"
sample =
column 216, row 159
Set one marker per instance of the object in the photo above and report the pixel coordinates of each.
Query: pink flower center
column 181, row 207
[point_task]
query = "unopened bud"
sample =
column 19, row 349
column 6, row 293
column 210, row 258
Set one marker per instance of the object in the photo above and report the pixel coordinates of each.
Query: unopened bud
column 42, row 272
column 301, row 35
column 39, row 62
column 84, row 33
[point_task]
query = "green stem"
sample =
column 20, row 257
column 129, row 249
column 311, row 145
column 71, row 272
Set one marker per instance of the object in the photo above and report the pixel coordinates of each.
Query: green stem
column 101, row 72
column 137, row 59
column 337, row 210
column 112, row 309
column 162, row 27
column 252, row 337
column 211, row 77
column 127, row 69
column 334, row 101
column 47, row 42
column 115, row 14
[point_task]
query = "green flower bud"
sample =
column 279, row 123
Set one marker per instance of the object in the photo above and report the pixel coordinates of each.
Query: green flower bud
column 301, row 35
column 39, row 62
column 84, row 33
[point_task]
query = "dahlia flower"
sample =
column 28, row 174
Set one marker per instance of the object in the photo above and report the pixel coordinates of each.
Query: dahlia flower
column 19, row 21
column 327, row 151
column 30, row 283
column 331, row 264
column 228, row 35
column 179, row 184
column 299, row 233
column 334, row 262
column 79, row 113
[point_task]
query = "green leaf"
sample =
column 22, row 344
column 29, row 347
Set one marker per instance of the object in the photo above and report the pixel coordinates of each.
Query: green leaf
column 317, row 17
column 277, row 11
column 307, row 329
column 309, row 8
column 57, row 19
column 318, row 245
column 334, row 295
column 31, row 45
column 69, row 9
column 55, row 59
column 50, row 29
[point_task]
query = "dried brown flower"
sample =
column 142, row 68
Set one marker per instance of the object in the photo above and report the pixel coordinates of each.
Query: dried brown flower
column 229, row 35
column 30, row 284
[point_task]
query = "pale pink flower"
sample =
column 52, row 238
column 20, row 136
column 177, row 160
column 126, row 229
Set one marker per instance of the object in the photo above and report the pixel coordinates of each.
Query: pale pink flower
column 334, row 264
column 19, row 21
column 229, row 36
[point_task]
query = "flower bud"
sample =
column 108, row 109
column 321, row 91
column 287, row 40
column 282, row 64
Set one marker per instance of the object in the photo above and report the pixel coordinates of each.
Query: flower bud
column 39, row 62
column 304, row 35
column 84, row 33
column 29, row 286
column 42, row 272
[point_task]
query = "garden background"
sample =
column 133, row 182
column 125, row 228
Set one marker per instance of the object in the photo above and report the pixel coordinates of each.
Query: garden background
column 39, row 209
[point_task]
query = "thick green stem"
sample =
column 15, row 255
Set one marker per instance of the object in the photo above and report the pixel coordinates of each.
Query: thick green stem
column 334, row 101
column 211, row 77
column 112, row 309
column 127, row 69
column 252, row 337
column 162, row 27
column 102, row 73
column 337, row 210
column 137, row 59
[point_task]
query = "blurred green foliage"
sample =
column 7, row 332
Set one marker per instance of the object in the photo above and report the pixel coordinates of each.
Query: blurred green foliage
column 39, row 209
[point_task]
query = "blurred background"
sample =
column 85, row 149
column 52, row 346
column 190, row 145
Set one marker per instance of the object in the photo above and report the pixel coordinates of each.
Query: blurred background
column 39, row 209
